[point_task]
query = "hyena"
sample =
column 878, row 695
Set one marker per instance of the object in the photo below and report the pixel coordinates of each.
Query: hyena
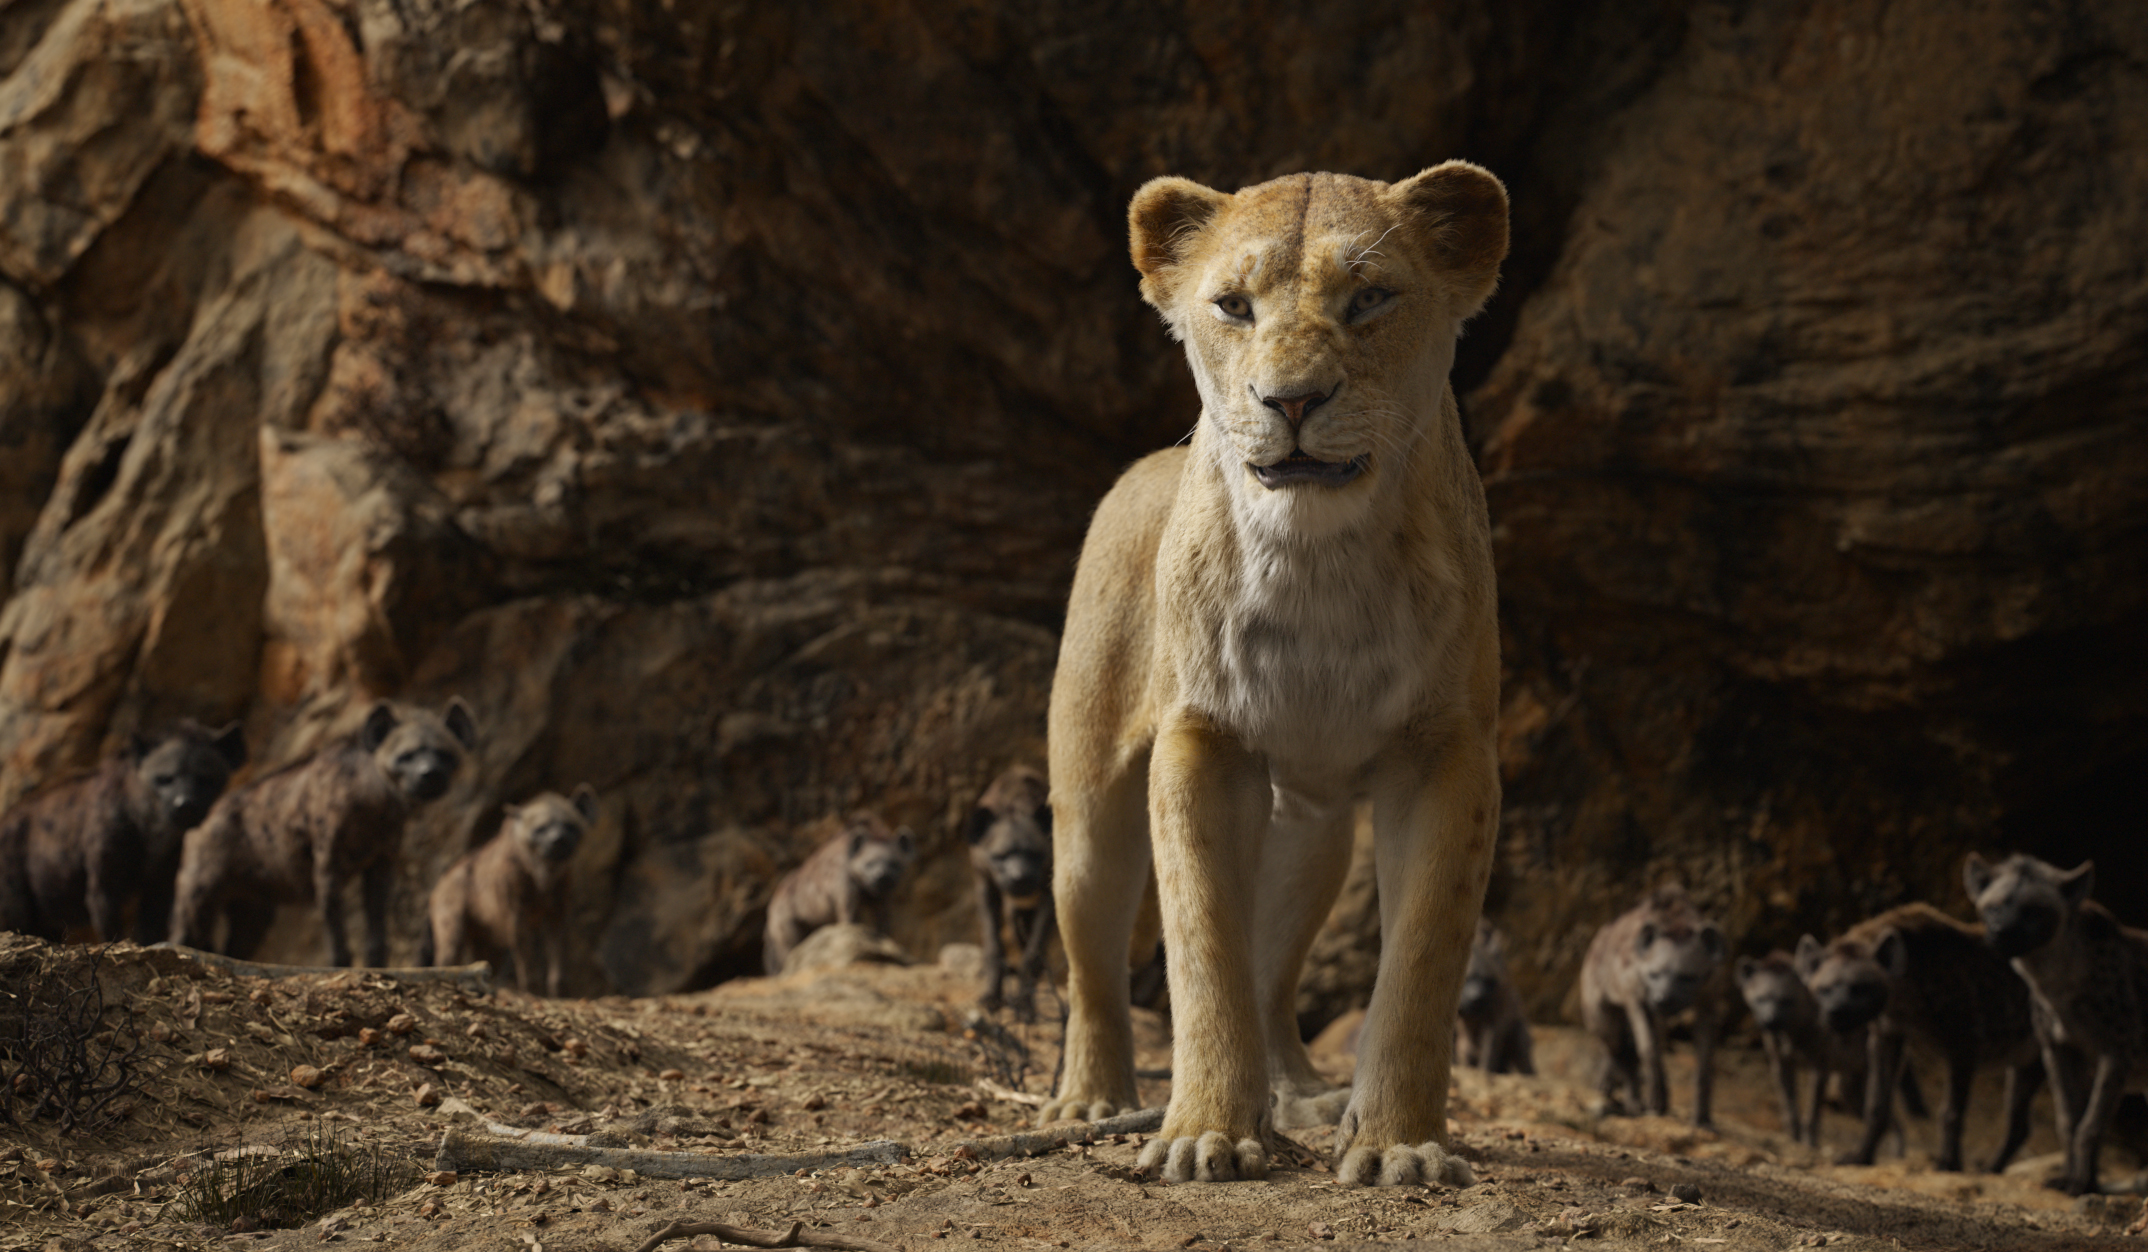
column 1915, row 975
column 1648, row 965
column 1492, row 1029
column 1010, row 838
column 83, row 852
column 855, row 872
column 1790, row 1027
column 2089, row 978
column 297, row 835
column 509, row 897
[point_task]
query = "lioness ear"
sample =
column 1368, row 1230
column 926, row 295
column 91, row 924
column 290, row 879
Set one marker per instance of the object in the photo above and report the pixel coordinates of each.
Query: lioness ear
column 1162, row 219
column 1459, row 212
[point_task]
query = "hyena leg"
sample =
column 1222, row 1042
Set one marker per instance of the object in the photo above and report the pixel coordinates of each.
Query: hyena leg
column 991, row 918
column 328, row 897
column 1432, row 846
column 1961, row 1071
column 246, row 924
column 1650, row 1092
column 1883, row 1069
column 2103, row 1097
column 1782, row 1063
column 375, row 887
column 1706, row 1028
column 1303, row 862
column 1100, row 866
column 2022, row 1084
column 1209, row 803
column 1041, row 925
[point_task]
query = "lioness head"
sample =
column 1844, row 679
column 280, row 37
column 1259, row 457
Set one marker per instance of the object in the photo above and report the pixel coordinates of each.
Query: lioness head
column 1319, row 313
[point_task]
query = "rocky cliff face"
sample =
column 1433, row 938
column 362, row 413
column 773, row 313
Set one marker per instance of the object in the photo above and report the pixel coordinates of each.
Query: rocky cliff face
column 715, row 399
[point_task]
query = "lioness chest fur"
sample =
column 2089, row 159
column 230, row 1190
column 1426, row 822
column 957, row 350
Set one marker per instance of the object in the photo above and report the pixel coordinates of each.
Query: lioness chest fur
column 1292, row 613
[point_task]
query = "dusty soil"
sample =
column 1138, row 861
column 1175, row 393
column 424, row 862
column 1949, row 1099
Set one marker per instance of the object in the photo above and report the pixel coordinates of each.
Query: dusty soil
column 824, row 1059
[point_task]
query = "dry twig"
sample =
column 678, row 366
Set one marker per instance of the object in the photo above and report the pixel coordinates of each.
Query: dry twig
column 795, row 1237
column 1038, row 1142
column 462, row 1152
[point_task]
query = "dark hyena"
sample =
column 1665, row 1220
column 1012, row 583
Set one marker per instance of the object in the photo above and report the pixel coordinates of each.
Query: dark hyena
column 509, row 897
column 84, row 851
column 2089, row 978
column 856, row 871
column 1790, row 1027
column 297, row 835
column 1913, row 974
column 1491, row 1026
column 1648, row 965
column 1010, row 838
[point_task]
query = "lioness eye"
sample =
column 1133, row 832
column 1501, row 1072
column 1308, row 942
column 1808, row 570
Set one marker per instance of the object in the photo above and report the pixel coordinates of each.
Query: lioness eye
column 1368, row 299
column 1237, row 308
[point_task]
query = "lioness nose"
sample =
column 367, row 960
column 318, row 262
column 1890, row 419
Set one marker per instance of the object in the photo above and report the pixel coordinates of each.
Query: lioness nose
column 1295, row 409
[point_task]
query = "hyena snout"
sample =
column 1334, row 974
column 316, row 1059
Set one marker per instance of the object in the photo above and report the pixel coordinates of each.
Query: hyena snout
column 1021, row 876
column 554, row 842
column 1846, row 1008
column 2017, row 929
column 1478, row 996
column 428, row 774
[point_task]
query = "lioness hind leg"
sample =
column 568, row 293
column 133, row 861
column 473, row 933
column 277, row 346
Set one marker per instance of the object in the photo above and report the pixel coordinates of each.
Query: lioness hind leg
column 1209, row 803
column 1304, row 860
column 1100, row 869
column 1433, row 841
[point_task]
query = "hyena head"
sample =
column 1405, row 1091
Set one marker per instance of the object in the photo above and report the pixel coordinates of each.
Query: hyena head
column 876, row 859
column 177, row 777
column 1487, row 973
column 1851, row 977
column 1010, row 834
column 551, row 826
column 1676, row 952
column 1774, row 992
column 419, row 750
column 2024, row 901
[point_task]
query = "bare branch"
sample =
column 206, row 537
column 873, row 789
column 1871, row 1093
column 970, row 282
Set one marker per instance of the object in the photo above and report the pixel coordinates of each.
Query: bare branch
column 464, row 1152
column 795, row 1237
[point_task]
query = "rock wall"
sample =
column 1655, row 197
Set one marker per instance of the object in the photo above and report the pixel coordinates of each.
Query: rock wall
column 715, row 399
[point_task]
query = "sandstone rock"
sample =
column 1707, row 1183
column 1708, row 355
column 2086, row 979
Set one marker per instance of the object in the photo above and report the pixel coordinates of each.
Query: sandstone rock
column 833, row 947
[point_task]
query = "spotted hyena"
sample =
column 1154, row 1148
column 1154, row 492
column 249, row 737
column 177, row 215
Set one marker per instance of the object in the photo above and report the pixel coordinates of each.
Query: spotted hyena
column 1492, row 1029
column 509, row 897
column 1010, row 838
column 854, row 873
column 1645, row 967
column 297, row 835
column 1790, row 1028
column 1915, row 975
column 2089, row 978
column 82, row 853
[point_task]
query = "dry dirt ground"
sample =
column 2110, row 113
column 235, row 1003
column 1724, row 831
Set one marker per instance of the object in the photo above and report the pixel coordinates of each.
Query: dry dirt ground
column 821, row 1060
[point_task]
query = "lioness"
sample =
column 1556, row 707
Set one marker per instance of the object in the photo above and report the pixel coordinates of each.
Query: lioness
column 1293, row 612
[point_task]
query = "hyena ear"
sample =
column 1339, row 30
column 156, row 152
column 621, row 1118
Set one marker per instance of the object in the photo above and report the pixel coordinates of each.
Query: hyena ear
column 1166, row 215
column 1809, row 956
column 1645, row 938
column 2076, row 884
column 1976, row 875
column 979, row 825
column 139, row 745
column 1745, row 967
column 1892, row 955
column 1458, row 214
column 230, row 743
column 585, row 802
column 858, row 835
column 379, row 723
column 460, row 724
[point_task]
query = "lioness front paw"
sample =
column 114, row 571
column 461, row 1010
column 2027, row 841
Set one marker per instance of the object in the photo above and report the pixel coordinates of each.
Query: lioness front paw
column 1078, row 1108
column 1298, row 1112
column 1210, row 1157
column 1400, row 1165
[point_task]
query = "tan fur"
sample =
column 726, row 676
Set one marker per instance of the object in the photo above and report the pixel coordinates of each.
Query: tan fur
column 1654, row 961
column 299, row 834
column 2089, row 978
column 853, row 873
column 1242, row 663
column 509, row 897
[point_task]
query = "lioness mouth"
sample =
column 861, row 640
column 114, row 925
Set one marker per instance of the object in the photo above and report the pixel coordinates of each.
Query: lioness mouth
column 1300, row 468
